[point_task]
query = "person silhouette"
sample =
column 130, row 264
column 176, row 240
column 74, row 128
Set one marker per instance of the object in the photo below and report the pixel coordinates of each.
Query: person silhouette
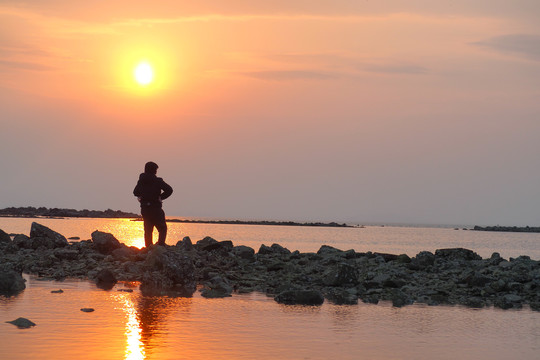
column 151, row 191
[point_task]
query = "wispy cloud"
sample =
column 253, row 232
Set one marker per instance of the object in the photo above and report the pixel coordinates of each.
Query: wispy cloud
column 525, row 45
column 289, row 75
column 395, row 69
column 24, row 65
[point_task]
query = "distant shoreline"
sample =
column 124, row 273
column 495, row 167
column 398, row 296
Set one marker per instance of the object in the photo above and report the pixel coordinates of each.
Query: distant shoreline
column 59, row 213
column 525, row 229
column 254, row 222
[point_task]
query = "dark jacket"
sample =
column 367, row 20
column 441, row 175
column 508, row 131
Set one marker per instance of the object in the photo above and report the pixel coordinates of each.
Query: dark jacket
column 151, row 190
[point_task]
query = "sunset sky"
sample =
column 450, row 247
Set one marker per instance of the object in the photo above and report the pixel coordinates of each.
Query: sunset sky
column 414, row 111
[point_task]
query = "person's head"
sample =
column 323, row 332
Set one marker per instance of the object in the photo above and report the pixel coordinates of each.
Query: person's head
column 150, row 168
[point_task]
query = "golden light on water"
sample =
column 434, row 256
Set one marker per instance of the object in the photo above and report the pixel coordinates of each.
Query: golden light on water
column 134, row 345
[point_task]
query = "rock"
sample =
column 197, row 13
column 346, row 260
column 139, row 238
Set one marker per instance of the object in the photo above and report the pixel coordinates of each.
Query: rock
column 22, row 241
column 458, row 254
column 87, row 310
column 341, row 275
column 399, row 298
column 422, row 260
column 207, row 241
column 124, row 253
column 217, row 288
column 22, row 323
column 226, row 245
column 403, row 259
column 74, row 238
column 300, row 297
column 168, row 273
column 329, row 250
column 244, row 252
column 66, row 254
column 185, row 244
column 274, row 249
column 4, row 237
column 38, row 231
column 386, row 257
column 342, row 296
column 509, row 301
column 104, row 242
column 59, row 291
column 11, row 282
column 106, row 279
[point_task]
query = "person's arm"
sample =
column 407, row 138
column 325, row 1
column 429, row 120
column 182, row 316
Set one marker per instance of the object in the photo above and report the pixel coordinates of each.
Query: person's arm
column 137, row 190
column 167, row 190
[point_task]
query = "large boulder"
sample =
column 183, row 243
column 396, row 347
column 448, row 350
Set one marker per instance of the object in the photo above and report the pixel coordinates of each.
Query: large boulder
column 104, row 242
column 11, row 282
column 300, row 297
column 342, row 274
column 4, row 237
column 457, row 254
column 168, row 272
column 42, row 236
column 244, row 252
column 217, row 287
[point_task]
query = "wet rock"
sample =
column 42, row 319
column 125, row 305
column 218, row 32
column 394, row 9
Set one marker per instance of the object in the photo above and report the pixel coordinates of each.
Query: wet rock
column 300, row 297
column 168, row 272
column 105, row 279
column 124, row 253
column 66, row 254
column 104, row 242
column 509, row 301
column 399, row 298
column 22, row 323
column 22, row 241
column 326, row 250
column 341, row 296
column 4, row 237
column 341, row 275
column 11, row 282
column 422, row 260
column 217, row 287
column 206, row 242
column 274, row 249
column 39, row 231
column 244, row 252
column 185, row 244
column 59, row 291
column 458, row 254
column 87, row 310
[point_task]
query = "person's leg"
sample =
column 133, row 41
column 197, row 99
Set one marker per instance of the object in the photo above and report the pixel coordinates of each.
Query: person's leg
column 148, row 228
column 161, row 226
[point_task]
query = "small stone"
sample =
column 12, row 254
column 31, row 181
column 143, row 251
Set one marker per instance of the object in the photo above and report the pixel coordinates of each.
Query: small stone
column 88, row 310
column 59, row 291
column 22, row 323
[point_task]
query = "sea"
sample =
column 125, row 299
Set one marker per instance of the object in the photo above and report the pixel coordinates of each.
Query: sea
column 127, row 325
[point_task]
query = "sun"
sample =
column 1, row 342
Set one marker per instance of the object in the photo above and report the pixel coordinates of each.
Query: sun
column 143, row 73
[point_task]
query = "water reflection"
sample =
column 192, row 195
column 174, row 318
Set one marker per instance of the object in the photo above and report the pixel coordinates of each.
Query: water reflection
column 147, row 318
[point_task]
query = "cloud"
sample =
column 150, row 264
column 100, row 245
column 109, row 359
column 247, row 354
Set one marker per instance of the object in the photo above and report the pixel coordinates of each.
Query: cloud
column 395, row 69
column 289, row 75
column 526, row 45
column 24, row 65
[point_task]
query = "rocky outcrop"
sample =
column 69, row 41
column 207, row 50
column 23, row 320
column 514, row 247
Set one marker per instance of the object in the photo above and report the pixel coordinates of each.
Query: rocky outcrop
column 168, row 273
column 11, row 282
column 104, row 242
column 447, row 276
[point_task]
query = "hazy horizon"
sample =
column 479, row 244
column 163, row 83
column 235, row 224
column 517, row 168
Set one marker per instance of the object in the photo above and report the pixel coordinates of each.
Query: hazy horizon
column 360, row 112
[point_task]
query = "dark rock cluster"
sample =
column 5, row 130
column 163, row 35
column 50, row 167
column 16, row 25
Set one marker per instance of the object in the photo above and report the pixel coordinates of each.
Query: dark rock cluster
column 448, row 276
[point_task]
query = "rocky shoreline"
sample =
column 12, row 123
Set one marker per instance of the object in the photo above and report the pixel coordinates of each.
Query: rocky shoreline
column 33, row 212
column 447, row 277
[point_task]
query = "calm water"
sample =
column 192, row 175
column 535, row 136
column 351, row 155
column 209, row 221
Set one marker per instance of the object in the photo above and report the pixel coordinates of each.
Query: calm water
column 130, row 326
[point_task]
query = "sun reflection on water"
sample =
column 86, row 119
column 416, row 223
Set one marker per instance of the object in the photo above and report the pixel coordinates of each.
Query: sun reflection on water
column 134, row 346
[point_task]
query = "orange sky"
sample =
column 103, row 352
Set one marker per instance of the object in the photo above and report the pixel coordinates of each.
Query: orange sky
column 353, row 111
